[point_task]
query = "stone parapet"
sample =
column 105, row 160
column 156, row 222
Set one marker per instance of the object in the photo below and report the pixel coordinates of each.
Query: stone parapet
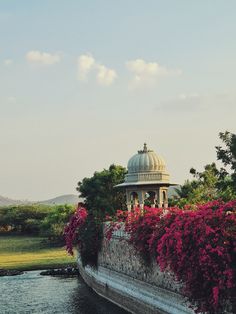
column 124, row 279
column 119, row 255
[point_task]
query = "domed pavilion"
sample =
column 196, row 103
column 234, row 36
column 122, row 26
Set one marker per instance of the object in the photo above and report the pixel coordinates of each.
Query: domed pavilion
column 147, row 180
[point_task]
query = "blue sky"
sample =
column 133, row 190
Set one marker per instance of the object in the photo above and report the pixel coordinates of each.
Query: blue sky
column 84, row 83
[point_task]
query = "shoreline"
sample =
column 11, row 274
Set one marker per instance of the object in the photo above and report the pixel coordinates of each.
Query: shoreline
column 19, row 271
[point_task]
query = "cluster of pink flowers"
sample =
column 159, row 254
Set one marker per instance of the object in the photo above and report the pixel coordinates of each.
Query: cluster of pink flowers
column 72, row 228
column 198, row 246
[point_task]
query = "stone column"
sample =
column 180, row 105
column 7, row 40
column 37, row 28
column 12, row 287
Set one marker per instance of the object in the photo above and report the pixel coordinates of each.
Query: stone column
column 159, row 198
column 165, row 200
column 141, row 198
column 128, row 200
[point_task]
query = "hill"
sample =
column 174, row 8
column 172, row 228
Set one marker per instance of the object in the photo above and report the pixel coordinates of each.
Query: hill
column 5, row 201
column 62, row 199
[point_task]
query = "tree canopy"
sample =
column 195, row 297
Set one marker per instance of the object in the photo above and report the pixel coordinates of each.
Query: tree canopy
column 54, row 223
column 23, row 218
column 99, row 191
column 212, row 183
column 227, row 155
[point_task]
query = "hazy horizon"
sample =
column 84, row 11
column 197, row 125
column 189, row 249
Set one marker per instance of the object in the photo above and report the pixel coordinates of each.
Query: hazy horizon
column 85, row 84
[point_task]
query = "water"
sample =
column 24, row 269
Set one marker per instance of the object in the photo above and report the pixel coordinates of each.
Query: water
column 33, row 293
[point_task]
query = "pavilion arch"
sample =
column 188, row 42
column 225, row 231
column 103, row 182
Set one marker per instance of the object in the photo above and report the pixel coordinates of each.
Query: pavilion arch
column 150, row 198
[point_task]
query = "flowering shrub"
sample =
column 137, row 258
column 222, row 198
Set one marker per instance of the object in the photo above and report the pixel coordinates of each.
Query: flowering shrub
column 198, row 246
column 85, row 231
column 89, row 239
column 140, row 224
column 164, row 222
column 71, row 230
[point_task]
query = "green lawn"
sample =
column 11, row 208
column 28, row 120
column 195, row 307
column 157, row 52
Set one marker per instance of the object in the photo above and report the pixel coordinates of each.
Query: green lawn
column 28, row 253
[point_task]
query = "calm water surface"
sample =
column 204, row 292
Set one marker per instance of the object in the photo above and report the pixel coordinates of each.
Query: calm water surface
column 32, row 293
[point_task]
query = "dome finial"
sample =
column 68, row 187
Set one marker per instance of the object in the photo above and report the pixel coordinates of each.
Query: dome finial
column 145, row 147
column 144, row 150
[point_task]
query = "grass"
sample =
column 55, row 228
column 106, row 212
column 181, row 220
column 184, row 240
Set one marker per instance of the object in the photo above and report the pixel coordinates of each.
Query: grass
column 31, row 253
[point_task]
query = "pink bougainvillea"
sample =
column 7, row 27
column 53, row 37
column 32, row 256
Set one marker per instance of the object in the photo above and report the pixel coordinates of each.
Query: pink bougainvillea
column 140, row 224
column 72, row 228
column 198, row 246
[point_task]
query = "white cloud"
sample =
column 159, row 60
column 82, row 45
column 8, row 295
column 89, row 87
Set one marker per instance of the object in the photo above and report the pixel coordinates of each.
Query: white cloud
column 147, row 73
column 8, row 62
column 11, row 99
column 87, row 64
column 105, row 76
column 187, row 97
column 45, row 58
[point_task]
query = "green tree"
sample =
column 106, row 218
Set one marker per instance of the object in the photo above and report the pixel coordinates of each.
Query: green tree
column 54, row 223
column 227, row 155
column 99, row 192
column 23, row 218
column 202, row 189
column 212, row 183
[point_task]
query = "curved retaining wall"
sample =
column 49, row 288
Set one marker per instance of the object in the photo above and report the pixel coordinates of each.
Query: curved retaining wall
column 122, row 278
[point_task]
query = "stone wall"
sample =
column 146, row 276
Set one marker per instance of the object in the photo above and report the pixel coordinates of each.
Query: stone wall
column 122, row 278
column 119, row 255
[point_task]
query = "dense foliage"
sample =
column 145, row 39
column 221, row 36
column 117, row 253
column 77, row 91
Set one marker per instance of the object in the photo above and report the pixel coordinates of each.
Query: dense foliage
column 198, row 246
column 227, row 155
column 36, row 219
column 85, row 231
column 72, row 229
column 23, row 218
column 54, row 223
column 212, row 183
column 99, row 192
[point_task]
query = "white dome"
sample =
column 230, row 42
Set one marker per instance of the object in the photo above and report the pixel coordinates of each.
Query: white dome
column 146, row 167
column 146, row 161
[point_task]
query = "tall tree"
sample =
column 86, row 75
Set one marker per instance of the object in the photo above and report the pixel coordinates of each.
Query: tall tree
column 227, row 155
column 99, row 192
column 212, row 183
column 202, row 189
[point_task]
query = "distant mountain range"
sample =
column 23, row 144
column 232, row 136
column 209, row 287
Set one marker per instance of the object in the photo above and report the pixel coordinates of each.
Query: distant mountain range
column 5, row 201
column 62, row 199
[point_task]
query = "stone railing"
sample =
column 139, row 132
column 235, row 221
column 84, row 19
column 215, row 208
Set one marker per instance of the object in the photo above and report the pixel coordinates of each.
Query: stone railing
column 117, row 234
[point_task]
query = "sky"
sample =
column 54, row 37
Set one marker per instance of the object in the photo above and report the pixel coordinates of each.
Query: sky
column 83, row 84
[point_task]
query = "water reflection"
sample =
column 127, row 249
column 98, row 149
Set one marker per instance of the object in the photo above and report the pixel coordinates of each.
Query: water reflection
column 32, row 293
